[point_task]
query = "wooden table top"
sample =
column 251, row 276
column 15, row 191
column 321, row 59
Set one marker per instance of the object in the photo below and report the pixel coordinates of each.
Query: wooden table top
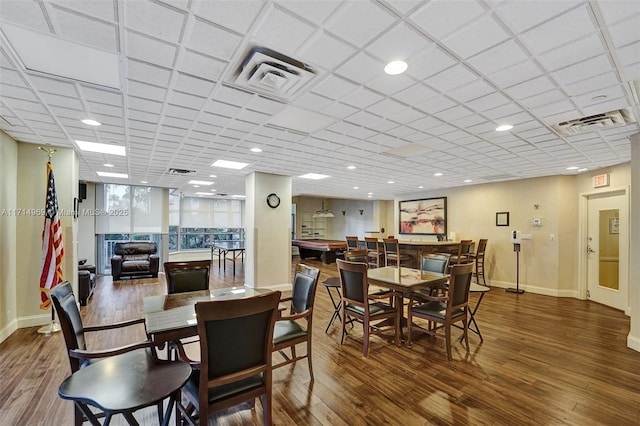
column 404, row 279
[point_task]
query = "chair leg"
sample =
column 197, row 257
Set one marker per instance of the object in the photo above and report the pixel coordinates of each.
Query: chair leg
column 265, row 400
column 466, row 332
column 365, row 326
column 448, row 338
column 344, row 324
column 309, row 356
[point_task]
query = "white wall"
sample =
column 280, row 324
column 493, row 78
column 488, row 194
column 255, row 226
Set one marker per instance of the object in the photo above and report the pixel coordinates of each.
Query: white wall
column 87, row 227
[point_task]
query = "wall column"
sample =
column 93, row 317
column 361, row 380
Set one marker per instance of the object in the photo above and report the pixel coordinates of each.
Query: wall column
column 268, row 232
column 633, row 340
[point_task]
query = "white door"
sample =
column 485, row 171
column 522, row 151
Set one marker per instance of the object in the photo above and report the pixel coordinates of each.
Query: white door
column 608, row 249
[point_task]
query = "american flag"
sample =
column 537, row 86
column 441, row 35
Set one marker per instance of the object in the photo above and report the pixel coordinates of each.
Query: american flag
column 52, row 250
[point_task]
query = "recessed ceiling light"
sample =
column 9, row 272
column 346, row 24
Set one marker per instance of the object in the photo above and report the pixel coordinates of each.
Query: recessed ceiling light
column 395, row 67
column 356, row 187
column 204, row 193
column 230, row 164
column 369, row 193
column 351, row 167
column 468, row 181
column 102, row 148
column 437, row 174
column 314, row 176
column 108, row 165
column 504, row 127
column 256, row 149
column 213, row 190
column 572, row 168
column 144, row 181
column 196, row 186
column 420, row 187
column 390, row 181
column 582, row 170
column 200, row 182
column 114, row 175
column 369, row 196
column 90, row 122
column 213, row 176
column 238, row 196
column 599, row 98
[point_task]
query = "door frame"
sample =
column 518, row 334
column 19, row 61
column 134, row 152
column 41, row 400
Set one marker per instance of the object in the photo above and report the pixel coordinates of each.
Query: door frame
column 582, row 237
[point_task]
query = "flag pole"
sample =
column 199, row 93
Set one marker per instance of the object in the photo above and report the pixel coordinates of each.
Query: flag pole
column 53, row 326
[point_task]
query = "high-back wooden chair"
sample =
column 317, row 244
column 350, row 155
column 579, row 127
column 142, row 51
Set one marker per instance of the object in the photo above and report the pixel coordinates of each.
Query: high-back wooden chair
column 353, row 243
column 187, row 276
column 236, row 342
column 357, row 256
column 289, row 331
column 478, row 259
column 359, row 304
column 464, row 253
column 392, row 254
column 375, row 254
column 444, row 310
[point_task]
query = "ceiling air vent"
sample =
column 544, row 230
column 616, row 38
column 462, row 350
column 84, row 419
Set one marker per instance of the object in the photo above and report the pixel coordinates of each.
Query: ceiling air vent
column 272, row 73
column 595, row 122
column 173, row 171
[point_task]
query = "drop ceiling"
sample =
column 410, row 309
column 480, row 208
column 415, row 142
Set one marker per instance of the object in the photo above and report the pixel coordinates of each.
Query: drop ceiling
column 472, row 65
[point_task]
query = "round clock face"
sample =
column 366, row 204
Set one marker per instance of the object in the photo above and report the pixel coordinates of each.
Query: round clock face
column 273, row 200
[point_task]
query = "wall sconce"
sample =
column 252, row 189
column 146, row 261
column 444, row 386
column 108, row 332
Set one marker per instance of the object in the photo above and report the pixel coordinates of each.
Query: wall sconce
column 361, row 212
column 344, row 212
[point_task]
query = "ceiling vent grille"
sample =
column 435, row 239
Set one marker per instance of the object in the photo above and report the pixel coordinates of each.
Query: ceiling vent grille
column 272, row 73
column 173, row 171
column 595, row 122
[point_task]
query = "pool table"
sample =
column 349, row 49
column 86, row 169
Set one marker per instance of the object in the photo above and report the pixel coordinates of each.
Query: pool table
column 327, row 250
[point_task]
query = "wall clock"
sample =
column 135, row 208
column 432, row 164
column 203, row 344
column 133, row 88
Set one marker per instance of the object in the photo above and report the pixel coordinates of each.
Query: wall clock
column 273, row 200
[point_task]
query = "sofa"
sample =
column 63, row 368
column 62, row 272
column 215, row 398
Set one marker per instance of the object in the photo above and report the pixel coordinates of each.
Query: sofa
column 135, row 258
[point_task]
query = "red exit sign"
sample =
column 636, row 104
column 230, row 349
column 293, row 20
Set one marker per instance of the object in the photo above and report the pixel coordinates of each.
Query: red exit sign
column 601, row 180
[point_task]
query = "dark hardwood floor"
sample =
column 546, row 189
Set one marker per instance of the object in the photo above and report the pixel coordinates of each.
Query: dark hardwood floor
column 544, row 361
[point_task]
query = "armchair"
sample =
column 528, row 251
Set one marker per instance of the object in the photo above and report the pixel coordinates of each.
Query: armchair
column 135, row 258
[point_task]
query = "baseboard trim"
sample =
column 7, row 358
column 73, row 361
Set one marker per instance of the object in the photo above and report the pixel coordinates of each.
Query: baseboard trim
column 34, row 320
column 535, row 289
column 8, row 330
column 633, row 342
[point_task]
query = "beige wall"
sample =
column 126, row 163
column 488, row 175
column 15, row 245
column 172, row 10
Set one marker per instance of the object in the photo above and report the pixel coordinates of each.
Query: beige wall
column 8, row 202
column 31, row 188
column 549, row 261
column 87, row 227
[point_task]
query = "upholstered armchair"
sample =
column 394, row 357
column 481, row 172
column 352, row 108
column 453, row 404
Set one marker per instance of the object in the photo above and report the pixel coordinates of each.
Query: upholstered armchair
column 135, row 258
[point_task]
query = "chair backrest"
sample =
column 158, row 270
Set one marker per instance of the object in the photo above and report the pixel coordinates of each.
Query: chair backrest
column 303, row 293
column 391, row 246
column 482, row 247
column 70, row 320
column 464, row 248
column 353, row 243
column 353, row 281
column 459, row 284
column 435, row 262
column 357, row 256
column 372, row 244
column 187, row 276
column 135, row 250
column 236, row 340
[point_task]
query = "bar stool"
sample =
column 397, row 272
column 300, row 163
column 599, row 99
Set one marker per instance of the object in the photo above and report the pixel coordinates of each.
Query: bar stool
column 464, row 255
column 478, row 257
column 480, row 289
column 352, row 243
column 333, row 283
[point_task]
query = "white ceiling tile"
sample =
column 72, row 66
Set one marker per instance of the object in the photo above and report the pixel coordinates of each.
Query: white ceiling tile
column 614, row 11
column 270, row 32
column 325, row 51
column 92, row 32
column 522, row 15
column 487, row 102
column 202, row 66
column 339, row 110
column 586, row 69
column 578, row 51
column 316, row 11
column 435, row 104
column 192, row 85
column 362, row 98
column 441, row 17
column 453, row 77
column 235, row 15
column 348, row 22
column 25, row 13
column 415, row 94
column 626, row 31
column 553, row 108
column 500, row 112
column 186, row 100
column 482, row 34
column 334, row 87
column 612, row 93
column 147, row 73
column 531, row 87
column 473, row 90
column 386, row 107
column 400, row 42
column 154, row 19
column 429, row 62
column 181, row 112
column 516, row 74
column 102, row 96
column 390, row 84
column 146, row 49
column 361, row 68
column 498, row 57
column 569, row 26
column 142, row 90
column 543, row 98
column 202, row 35
column 312, row 101
column 406, row 115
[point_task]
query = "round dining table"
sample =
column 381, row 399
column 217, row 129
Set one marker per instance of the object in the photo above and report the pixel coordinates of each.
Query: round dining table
column 124, row 383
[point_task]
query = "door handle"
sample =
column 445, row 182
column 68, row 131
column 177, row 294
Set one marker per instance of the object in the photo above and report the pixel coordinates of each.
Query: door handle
column 590, row 250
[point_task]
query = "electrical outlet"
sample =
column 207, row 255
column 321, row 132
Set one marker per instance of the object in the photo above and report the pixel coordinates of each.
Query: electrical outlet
column 552, row 237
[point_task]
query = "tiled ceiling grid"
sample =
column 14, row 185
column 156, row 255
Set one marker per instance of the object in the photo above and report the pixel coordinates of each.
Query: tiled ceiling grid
column 472, row 65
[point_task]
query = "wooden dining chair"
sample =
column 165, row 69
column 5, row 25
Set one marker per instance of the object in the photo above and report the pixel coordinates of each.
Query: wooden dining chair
column 353, row 243
column 392, row 253
column 289, row 331
column 358, row 304
column 464, row 253
column 478, row 259
column 74, row 331
column 236, row 343
column 374, row 253
column 187, row 276
column 444, row 310
column 357, row 256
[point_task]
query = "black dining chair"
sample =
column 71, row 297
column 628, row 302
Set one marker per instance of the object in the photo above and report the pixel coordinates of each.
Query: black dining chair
column 236, row 343
column 186, row 276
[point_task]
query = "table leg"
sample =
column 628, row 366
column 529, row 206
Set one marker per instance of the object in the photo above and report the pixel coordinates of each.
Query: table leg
column 130, row 419
column 88, row 413
column 167, row 414
column 336, row 309
column 472, row 319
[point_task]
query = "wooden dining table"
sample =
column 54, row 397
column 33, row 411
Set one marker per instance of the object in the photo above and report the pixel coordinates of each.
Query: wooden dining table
column 172, row 317
column 404, row 280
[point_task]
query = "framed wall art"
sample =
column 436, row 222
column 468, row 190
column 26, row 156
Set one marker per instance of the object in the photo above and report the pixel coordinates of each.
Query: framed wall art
column 426, row 216
column 502, row 219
